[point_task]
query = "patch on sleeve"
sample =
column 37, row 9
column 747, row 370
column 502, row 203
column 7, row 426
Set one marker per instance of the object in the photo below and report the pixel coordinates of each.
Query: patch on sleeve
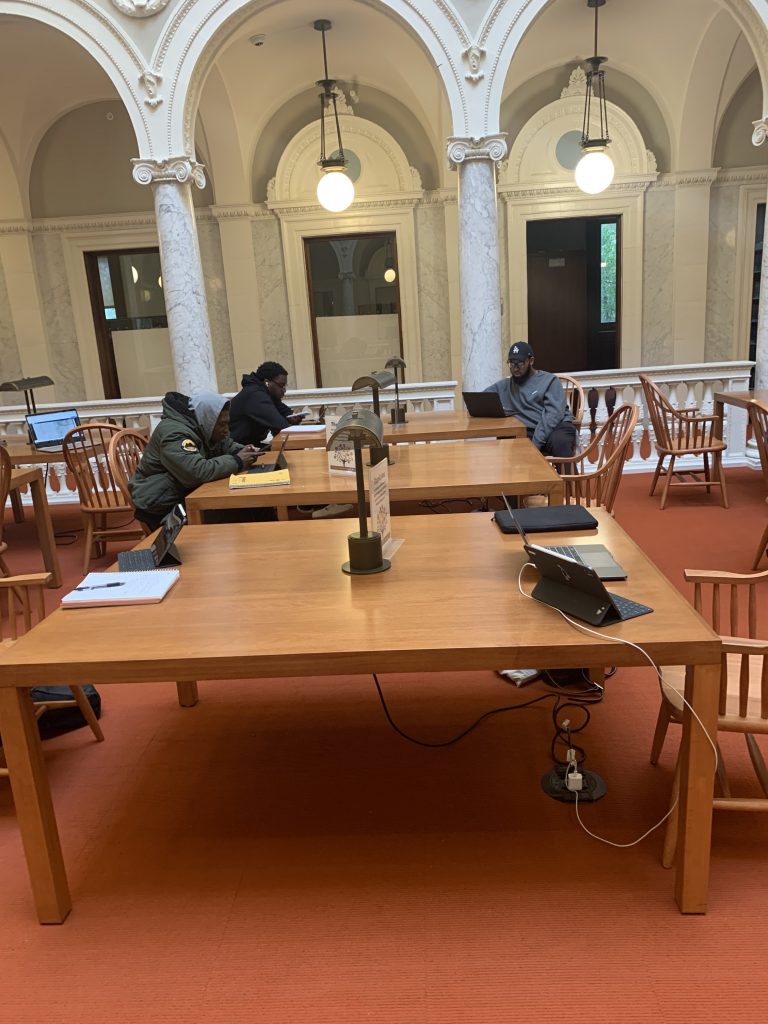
column 189, row 445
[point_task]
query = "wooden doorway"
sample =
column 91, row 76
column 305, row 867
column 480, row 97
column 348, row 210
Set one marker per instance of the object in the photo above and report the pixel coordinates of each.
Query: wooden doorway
column 574, row 285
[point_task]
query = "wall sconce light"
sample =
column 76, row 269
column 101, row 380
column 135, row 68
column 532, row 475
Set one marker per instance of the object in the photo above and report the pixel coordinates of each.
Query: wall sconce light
column 594, row 172
column 335, row 190
column 27, row 385
column 363, row 429
column 397, row 414
column 375, row 380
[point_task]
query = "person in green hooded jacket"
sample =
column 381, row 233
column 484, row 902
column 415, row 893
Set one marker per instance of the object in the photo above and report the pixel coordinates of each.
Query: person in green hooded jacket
column 190, row 446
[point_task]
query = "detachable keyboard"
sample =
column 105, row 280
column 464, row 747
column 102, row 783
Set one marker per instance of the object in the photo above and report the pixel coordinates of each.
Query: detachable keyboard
column 568, row 550
column 628, row 609
column 136, row 561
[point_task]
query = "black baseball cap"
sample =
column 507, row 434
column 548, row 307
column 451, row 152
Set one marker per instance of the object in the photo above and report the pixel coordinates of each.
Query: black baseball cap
column 519, row 351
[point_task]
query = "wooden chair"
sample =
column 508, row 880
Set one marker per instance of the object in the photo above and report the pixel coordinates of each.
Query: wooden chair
column 592, row 476
column 124, row 454
column 21, row 598
column 759, row 419
column 574, row 397
column 101, row 498
column 731, row 609
column 681, row 432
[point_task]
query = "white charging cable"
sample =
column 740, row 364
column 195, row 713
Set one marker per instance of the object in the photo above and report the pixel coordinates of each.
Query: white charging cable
column 662, row 683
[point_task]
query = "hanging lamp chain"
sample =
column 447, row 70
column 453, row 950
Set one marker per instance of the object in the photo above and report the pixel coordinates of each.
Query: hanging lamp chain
column 595, row 86
column 328, row 98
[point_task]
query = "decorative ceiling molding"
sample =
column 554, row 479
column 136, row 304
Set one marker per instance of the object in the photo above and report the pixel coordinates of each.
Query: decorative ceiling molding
column 682, row 179
column 475, row 56
column 179, row 169
column 577, row 83
column 140, row 8
column 760, row 133
column 742, row 176
column 633, row 186
column 150, row 83
column 313, row 211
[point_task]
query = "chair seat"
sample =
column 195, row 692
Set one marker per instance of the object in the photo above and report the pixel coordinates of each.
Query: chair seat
column 674, row 679
column 682, row 446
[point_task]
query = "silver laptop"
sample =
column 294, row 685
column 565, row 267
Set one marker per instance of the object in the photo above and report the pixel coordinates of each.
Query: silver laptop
column 47, row 430
column 596, row 556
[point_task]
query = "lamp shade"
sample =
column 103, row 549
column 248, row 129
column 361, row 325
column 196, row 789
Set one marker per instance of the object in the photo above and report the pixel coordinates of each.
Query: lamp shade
column 335, row 191
column 360, row 427
column 390, row 275
column 594, row 172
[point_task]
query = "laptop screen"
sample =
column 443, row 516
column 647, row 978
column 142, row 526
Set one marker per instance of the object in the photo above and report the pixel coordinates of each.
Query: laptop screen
column 48, row 429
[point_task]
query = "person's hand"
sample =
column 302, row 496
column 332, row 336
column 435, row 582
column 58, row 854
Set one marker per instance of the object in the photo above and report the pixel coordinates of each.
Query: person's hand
column 248, row 455
column 295, row 418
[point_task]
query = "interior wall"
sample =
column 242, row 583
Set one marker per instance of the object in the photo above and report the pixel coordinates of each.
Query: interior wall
column 658, row 254
column 216, row 296
column 83, row 166
column 10, row 363
column 723, row 256
column 733, row 147
column 273, row 293
column 434, row 312
column 58, row 316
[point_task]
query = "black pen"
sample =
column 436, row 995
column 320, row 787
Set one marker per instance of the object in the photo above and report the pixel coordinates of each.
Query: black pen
column 100, row 586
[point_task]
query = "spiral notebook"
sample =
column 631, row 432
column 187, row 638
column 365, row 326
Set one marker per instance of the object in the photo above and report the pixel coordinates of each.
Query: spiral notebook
column 108, row 588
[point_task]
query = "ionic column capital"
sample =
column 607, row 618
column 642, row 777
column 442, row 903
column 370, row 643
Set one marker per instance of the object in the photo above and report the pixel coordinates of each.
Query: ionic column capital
column 180, row 169
column 488, row 147
column 760, row 133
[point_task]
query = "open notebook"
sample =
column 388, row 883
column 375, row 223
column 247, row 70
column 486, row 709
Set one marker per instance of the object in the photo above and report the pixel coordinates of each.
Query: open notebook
column 105, row 588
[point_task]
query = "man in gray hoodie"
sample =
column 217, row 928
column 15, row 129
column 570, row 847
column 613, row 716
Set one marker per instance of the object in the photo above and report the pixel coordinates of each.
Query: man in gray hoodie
column 189, row 446
column 537, row 399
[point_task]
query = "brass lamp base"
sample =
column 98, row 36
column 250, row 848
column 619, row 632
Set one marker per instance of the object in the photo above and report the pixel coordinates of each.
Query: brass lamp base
column 380, row 453
column 365, row 555
column 397, row 414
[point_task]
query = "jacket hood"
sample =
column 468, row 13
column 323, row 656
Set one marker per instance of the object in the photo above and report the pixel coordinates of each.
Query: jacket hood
column 249, row 379
column 207, row 407
column 174, row 401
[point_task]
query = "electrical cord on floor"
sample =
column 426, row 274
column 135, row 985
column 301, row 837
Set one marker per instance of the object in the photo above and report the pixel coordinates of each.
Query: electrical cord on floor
column 440, row 507
column 556, row 697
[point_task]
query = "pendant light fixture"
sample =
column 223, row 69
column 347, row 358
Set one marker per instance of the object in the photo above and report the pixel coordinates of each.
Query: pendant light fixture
column 335, row 190
column 390, row 273
column 594, row 172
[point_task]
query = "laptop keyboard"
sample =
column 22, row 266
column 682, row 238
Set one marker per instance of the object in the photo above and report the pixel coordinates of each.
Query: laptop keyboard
column 628, row 609
column 136, row 561
column 568, row 550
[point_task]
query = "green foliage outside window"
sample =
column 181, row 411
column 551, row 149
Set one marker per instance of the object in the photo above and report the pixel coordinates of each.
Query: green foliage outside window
column 608, row 235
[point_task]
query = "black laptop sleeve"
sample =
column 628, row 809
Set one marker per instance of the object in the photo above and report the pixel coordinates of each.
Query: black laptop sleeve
column 547, row 519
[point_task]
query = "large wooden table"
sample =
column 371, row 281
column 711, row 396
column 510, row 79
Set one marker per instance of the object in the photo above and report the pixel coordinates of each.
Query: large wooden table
column 451, row 425
column 323, row 622
column 32, row 477
column 740, row 400
column 420, row 472
column 22, row 453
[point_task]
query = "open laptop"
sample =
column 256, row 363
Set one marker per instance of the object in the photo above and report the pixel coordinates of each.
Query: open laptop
column 277, row 463
column 163, row 552
column 47, row 430
column 577, row 590
column 486, row 404
column 596, row 556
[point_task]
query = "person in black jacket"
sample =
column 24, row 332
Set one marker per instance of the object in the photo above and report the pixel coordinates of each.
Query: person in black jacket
column 258, row 407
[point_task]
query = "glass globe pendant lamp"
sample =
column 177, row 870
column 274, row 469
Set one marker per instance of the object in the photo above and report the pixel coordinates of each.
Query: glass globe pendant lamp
column 335, row 190
column 595, row 171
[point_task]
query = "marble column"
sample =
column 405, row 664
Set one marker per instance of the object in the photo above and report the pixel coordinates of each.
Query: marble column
column 761, row 350
column 185, row 305
column 479, row 287
column 344, row 249
column 689, row 265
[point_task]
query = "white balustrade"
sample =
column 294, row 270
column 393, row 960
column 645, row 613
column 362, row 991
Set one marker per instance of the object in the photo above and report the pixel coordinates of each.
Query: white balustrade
column 686, row 386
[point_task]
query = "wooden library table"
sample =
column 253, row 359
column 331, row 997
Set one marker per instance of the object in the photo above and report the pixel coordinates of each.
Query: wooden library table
column 739, row 399
column 323, row 622
column 23, row 453
column 451, row 425
column 32, row 477
column 477, row 469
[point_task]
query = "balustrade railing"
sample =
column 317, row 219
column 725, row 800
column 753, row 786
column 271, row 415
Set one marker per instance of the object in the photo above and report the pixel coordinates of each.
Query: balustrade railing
column 686, row 386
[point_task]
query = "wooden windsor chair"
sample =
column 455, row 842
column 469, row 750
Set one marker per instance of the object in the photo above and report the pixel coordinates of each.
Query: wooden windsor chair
column 592, row 476
column 730, row 602
column 102, row 501
column 681, row 432
column 758, row 417
column 126, row 448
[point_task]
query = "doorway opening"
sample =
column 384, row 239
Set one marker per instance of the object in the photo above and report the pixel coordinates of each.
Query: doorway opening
column 128, row 307
column 574, row 290
column 354, row 303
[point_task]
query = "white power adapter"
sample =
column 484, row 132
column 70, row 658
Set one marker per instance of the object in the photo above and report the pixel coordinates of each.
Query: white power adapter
column 574, row 781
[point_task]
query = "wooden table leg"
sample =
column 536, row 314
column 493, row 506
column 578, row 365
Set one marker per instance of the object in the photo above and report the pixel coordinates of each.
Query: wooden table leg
column 45, row 530
column 187, row 692
column 719, row 412
column 194, row 516
column 34, row 807
column 697, row 780
column 282, row 513
column 17, row 506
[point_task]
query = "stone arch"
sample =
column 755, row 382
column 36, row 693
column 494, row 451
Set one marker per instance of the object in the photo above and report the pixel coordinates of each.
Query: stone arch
column 183, row 59
column 532, row 157
column 385, row 170
column 103, row 40
column 507, row 21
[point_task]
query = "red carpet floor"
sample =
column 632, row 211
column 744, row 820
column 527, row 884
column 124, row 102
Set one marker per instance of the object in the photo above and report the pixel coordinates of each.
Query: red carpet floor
column 278, row 854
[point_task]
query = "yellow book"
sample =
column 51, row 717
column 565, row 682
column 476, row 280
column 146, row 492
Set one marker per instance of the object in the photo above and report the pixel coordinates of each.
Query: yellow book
column 258, row 478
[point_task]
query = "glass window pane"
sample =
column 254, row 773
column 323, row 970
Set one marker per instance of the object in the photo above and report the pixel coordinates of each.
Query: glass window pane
column 608, row 273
